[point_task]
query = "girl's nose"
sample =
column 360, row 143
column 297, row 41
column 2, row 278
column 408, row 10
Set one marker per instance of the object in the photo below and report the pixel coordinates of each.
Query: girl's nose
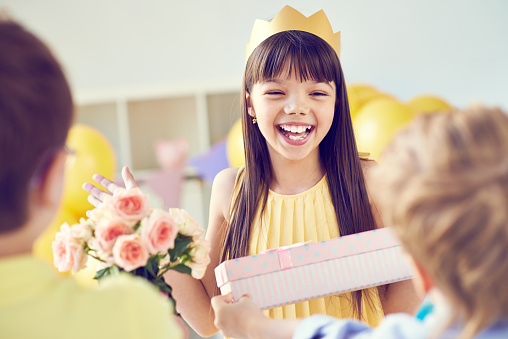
column 296, row 105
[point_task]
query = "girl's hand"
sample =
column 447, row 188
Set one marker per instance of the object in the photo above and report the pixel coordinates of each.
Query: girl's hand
column 97, row 195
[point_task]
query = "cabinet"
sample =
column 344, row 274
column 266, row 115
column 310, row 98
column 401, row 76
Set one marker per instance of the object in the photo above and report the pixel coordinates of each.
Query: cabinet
column 134, row 118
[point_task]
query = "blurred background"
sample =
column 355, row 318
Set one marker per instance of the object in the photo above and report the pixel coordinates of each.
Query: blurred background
column 158, row 81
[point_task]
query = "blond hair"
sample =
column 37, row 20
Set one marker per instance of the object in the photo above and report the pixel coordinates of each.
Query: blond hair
column 442, row 185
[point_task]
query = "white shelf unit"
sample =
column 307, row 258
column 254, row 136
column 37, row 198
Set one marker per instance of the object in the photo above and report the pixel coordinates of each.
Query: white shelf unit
column 132, row 119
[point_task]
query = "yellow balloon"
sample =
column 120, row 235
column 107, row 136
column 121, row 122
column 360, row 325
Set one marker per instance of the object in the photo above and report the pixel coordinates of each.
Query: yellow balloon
column 42, row 248
column 92, row 154
column 234, row 145
column 360, row 94
column 356, row 94
column 428, row 104
column 377, row 122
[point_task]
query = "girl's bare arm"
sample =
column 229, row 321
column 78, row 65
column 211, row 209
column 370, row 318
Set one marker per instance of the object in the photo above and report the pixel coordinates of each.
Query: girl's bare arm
column 400, row 296
column 192, row 296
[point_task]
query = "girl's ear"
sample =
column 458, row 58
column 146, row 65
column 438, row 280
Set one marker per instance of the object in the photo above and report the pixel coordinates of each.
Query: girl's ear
column 250, row 109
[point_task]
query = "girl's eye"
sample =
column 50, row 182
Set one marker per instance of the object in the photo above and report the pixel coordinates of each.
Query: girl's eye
column 319, row 94
column 274, row 93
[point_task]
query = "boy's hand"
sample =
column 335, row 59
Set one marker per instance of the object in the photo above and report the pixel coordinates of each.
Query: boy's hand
column 244, row 320
column 234, row 319
column 97, row 195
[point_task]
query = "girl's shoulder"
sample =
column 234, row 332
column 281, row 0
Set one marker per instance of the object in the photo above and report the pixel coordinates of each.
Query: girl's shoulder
column 223, row 189
column 226, row 179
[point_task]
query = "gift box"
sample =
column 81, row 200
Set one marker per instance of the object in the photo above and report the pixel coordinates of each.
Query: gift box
column 291, row 274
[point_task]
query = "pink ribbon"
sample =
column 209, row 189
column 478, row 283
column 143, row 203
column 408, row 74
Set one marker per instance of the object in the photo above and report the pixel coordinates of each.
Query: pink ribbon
column 284, row 254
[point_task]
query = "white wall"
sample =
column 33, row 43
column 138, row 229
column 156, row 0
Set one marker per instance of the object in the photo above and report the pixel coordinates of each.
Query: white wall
column 456, row 49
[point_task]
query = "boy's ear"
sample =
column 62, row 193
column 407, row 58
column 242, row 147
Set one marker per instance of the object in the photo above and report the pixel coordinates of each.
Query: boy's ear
column 50, row 189
column 250, row 109
column 427, row 281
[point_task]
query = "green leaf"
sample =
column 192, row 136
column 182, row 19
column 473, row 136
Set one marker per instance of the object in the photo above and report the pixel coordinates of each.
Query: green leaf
column 114, row 270
column 182, row 269
column 181, row 244
column 138, row 224
column 163, row 286
column 152, row 265
column 101, row 273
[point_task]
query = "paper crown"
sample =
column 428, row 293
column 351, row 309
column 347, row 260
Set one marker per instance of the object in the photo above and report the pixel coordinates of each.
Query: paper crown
column 290, row 19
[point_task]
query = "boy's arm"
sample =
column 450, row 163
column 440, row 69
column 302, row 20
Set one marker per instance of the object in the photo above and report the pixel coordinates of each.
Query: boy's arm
column 244, row 320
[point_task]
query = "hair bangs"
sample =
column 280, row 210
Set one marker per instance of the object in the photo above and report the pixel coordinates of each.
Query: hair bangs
column 293, row 53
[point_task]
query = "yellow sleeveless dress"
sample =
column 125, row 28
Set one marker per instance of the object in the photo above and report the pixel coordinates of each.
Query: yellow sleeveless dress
column 307, row 216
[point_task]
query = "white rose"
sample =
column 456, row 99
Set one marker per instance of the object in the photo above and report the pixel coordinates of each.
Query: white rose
column 197, row 269
column 199, row 251
column 81, row 231
column 188, row 226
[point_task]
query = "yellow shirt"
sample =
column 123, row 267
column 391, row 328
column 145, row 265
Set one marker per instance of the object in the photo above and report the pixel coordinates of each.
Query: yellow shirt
column 307, row 216
column 37, row 303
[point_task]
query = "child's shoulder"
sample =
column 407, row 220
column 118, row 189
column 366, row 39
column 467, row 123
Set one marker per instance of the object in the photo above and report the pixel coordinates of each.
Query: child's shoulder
column 223, row 189
column 367, row 164
column 227, row 178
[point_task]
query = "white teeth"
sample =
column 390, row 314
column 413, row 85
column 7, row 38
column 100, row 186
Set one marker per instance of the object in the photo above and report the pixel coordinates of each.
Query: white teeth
column 298, row 132
column 299, row 137
column 295, row 129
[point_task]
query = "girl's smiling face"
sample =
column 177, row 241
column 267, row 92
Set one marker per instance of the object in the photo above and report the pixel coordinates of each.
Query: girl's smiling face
column 293, row 115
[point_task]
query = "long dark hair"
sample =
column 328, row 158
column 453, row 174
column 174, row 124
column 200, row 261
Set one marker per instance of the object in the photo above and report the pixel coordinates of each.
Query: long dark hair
column 310, row 57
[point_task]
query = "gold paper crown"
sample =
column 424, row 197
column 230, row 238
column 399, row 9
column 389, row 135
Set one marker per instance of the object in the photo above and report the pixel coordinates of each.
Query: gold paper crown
column 290, row 19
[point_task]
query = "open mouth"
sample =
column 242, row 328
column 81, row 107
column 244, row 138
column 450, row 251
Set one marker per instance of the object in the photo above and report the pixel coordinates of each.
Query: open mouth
column 296, row 132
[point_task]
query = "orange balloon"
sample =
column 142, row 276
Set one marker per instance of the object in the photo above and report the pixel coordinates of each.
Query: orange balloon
column 92, row 154
column 377, row 122
column 429, row 104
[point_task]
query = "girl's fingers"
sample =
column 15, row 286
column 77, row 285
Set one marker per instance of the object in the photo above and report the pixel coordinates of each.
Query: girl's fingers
column 108, row 184
column 94, row 191
column 128, row 178
column 94, row 201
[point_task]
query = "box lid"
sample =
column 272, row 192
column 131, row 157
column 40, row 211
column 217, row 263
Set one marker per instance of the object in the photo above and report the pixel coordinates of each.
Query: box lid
column 304, row 254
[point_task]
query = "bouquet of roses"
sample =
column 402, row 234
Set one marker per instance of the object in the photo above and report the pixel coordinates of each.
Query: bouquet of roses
column 125, row 234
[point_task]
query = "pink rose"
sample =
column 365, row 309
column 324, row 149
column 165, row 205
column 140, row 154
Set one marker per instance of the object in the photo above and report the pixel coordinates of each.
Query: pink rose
column 129, row 252
column 107, row 231
column 158, row 232
column 129, row 205
column 68, row 252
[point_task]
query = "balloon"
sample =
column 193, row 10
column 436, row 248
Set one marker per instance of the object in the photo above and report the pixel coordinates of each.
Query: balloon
column 428, row 104
column 377, row 122
column 234, row 145
column 92, row 154
column 359, row 95
column 42, row 248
